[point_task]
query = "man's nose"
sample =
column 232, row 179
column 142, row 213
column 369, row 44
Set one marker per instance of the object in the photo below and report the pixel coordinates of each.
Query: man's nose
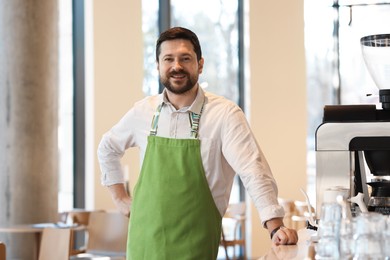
column 177, row 65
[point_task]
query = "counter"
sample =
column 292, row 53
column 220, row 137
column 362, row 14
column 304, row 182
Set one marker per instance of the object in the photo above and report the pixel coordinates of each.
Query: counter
column 303, row 250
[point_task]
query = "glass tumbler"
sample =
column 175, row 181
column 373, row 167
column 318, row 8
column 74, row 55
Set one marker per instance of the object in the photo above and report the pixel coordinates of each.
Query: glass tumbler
column 386, row 238
column 369, row 236
column 347, row 246
column 328, row 231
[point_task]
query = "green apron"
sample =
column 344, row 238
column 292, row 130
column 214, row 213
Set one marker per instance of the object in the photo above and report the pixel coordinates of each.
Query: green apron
column 173, row 214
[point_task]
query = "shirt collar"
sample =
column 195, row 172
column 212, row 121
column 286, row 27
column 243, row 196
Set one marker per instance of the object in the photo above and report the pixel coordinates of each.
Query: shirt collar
column 195, row 107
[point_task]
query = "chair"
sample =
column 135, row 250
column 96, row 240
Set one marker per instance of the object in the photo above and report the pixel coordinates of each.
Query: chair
column 107, row 236
column 2, row 251
column 233, row 229
column 55, row 244
column 78, row 217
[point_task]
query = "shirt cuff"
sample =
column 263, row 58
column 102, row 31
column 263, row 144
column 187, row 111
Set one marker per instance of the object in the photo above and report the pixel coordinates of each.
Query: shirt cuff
column 270, row 212
column 108, row 179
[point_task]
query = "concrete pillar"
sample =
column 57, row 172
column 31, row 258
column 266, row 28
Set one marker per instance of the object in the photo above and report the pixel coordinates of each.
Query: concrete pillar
column 28, row 119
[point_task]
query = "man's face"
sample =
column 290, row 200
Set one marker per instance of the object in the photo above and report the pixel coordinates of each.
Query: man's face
column 178, row 66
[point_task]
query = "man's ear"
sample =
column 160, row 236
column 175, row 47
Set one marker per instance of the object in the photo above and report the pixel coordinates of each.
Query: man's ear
column 200, row 67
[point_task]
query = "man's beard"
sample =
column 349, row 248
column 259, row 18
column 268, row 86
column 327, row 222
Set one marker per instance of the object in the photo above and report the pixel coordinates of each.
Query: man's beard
column 190, row 82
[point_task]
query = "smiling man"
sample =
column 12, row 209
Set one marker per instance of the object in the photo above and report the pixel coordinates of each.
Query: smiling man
column 192, row 144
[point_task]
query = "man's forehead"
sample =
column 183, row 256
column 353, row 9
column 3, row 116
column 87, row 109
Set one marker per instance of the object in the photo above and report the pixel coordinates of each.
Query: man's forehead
column 177, row 45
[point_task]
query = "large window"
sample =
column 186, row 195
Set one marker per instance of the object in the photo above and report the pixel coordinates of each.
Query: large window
column 65, row 116
column 72, row 102
column 336, row 73
column 219, row 28
column 151, row 31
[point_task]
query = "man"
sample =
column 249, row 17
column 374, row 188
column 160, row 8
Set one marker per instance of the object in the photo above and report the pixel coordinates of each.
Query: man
column 192, row 144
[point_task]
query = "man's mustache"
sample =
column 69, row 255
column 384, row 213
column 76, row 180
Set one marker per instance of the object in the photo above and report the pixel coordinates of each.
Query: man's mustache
column 177, row 72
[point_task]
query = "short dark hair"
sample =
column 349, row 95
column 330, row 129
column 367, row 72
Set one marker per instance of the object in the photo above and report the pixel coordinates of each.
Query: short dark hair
column 179, row 33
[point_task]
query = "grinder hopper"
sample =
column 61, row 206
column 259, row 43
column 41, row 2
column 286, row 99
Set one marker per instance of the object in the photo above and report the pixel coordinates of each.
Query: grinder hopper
column 376, row 55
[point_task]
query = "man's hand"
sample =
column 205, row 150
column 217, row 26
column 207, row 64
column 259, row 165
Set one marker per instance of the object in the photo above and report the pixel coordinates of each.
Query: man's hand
column 285, row 236
column 120, row 197
column 281, row 235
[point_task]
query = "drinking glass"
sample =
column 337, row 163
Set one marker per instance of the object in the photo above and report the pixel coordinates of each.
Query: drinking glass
column 347, row 246
column 330, row 218
column 386, row 238
column 328, row 231
column 369, row 236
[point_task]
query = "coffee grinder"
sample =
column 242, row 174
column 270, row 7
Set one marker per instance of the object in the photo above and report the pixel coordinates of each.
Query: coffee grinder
column 353, row 141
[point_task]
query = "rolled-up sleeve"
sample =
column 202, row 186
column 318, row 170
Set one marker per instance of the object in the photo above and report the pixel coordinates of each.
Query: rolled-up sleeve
column 246, row 158
column 109, row 155
column 112, row 147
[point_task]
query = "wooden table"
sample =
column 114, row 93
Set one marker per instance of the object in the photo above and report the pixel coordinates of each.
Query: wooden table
column 37, row 229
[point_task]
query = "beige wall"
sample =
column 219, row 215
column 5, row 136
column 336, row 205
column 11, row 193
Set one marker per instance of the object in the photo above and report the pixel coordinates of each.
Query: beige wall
column 277, row 87
column 118, row 74
column 278, row 97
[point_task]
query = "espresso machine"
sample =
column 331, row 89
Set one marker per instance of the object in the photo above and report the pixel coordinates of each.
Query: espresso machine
column 353, row 141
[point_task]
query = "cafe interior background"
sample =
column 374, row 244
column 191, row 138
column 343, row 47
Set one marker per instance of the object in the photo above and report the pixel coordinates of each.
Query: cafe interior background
column 281, row 61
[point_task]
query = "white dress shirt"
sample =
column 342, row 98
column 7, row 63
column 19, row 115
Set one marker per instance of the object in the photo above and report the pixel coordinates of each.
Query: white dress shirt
column 227, row 147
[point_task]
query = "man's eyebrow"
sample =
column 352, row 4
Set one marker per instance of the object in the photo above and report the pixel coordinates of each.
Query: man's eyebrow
column 180, row 55
column 167, row 55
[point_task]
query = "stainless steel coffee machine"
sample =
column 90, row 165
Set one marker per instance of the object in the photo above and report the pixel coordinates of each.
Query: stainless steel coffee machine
column 353, row 142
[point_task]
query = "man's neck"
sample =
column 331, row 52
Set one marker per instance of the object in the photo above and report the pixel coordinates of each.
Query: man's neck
column 183, row 100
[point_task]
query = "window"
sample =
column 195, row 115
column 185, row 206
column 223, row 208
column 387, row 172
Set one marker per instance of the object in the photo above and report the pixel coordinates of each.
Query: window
column 151, row 32
column 219, row 28
column 71, row 129
column 65, row 116
column 336, row 73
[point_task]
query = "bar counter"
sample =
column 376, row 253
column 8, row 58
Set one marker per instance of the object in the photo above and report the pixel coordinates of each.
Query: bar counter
column 303, row 250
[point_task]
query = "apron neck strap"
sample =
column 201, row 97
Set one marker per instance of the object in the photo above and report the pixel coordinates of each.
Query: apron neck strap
column 156, row 116
column 194, row 120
